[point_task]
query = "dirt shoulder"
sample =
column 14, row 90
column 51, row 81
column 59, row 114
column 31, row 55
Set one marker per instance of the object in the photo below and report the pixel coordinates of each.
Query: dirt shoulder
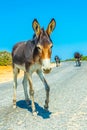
column 6, row 73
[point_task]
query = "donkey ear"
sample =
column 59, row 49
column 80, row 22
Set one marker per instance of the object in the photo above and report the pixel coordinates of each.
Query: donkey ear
column 51, row 26
column 36, row 27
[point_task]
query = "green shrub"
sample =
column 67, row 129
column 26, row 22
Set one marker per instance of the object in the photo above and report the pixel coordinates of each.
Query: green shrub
column 5, row 58
column 84, row 57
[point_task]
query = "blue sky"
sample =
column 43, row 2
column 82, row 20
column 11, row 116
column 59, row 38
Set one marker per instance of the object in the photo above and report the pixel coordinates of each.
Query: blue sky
column 70, row 34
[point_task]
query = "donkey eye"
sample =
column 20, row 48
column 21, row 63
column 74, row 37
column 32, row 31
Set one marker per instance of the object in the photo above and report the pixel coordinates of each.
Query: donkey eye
column 39, row 49
column 51, row 46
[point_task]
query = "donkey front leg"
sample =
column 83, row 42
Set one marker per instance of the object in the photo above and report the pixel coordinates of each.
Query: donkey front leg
column 47, row 88
column 15, row 73
column 24, row 82
column 31, row 94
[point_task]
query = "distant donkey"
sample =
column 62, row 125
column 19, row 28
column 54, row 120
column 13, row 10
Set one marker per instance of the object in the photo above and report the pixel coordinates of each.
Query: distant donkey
column 77, row 57
column 33, row 56
column 57, row 60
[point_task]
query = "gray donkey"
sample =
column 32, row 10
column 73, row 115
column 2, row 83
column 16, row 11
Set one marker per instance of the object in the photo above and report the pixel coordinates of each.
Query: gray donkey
column 33, row 56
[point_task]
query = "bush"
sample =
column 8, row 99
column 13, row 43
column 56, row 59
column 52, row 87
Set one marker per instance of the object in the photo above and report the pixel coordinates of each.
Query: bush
column 84, row 58
column 5, row 58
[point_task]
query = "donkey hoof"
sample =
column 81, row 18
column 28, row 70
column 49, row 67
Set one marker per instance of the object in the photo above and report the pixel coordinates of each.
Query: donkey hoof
column 34, row 113
column 46, row 107
column 14, row 106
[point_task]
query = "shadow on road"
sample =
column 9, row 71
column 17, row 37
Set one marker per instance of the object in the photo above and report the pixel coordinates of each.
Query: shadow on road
column 41, row 111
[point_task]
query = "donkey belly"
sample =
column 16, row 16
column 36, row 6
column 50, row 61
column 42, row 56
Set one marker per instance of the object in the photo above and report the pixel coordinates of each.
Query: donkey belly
column 21, row 67
column 32, row 68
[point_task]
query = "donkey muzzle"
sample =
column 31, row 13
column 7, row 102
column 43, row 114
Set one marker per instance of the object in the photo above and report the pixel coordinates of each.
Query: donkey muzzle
column 46, row 66
column 46, row 71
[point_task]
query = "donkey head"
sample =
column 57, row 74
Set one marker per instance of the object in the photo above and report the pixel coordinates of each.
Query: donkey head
column 44, row 43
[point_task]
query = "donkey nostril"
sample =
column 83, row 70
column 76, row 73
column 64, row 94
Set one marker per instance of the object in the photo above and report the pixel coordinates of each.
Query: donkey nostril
column 43, row 69
column 46, row 70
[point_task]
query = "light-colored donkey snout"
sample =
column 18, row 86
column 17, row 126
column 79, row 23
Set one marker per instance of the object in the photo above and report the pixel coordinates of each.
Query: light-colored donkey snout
column 46, row 66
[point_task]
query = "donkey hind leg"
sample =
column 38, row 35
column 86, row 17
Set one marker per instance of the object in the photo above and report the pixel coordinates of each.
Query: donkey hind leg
column 24, row 82
column 79, row 63
column 76, row 62
column 56, row 64
column 31, row 94
column 47, row 88
column 15, row 73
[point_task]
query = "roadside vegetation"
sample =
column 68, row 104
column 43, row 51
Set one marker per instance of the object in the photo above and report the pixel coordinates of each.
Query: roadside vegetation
column 5, row 58
column 83, row 58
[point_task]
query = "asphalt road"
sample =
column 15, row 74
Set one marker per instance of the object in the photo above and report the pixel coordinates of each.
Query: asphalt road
column 67, row 107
